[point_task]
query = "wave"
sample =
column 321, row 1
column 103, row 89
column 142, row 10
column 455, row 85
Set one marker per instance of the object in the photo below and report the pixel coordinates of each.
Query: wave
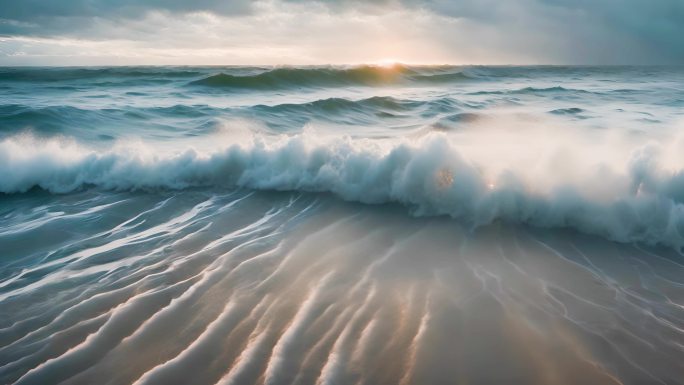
column 574, row 111
column 17, row 113
column 353, row 110
column 57, row 74
column 261, row 77
column 428, row 175
column 88, row 123
column 367, row 75
column 534, row 91
column 69, row 119
column 332, row 105
column 65, row 113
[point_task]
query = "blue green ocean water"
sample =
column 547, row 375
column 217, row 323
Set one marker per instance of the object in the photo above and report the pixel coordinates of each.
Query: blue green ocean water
column 342, row 225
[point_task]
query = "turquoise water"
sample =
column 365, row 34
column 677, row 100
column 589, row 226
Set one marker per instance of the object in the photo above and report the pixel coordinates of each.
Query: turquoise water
column 372, row 224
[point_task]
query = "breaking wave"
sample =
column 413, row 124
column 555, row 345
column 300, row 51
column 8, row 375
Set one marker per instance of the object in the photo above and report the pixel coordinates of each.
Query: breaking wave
column 428, row 175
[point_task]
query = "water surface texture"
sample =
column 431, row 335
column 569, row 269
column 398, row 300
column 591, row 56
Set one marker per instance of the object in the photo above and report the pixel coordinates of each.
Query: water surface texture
column 342, row 225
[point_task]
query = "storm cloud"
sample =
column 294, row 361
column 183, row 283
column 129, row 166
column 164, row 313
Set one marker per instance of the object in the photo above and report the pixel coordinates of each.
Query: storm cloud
column 42, row 32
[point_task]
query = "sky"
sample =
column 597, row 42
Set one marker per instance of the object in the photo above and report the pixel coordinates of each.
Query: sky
column 272, row 32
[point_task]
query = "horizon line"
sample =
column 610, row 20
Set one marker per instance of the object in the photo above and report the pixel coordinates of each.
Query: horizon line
column 360, row 64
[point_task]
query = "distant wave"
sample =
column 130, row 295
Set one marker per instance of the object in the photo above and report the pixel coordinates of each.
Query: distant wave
column 15, row 114
column 342, row 104
column 99, row 123
column 384, row 106
column 533, row 91
column 287, row 77
column 259, row 77
column 123, row 120
column 59, row 74
column 428, row 175
column 575, row 111
column 68, row 119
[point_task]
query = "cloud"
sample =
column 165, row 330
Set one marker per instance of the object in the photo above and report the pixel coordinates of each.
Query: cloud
column 30, row 10
column 348, row 31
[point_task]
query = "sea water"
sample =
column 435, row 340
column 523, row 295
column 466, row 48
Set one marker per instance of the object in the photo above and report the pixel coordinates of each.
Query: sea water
column 342, row 225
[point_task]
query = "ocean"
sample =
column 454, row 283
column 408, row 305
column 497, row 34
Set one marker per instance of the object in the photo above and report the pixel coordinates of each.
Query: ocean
column 386, row 224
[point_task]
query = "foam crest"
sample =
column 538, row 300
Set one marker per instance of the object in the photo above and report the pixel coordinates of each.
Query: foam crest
column 430, row 175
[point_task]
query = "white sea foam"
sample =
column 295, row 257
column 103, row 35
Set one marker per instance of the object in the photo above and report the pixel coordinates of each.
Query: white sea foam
column 626, row 195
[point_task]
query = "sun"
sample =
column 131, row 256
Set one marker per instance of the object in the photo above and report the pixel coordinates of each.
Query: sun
column 387, row 63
